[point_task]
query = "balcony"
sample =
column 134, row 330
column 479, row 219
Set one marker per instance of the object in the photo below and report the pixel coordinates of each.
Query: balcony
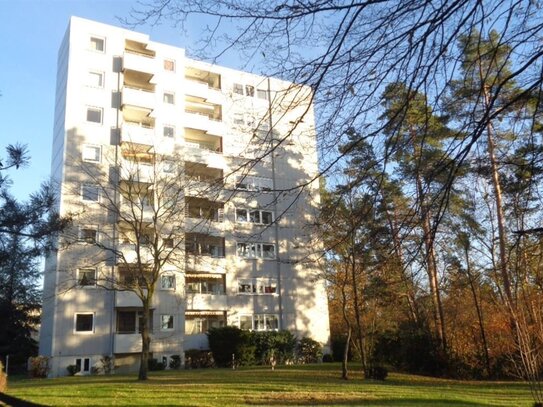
column 206, row 302
column 205, row 263
column 127, row 299
column 136, row 172
column 127, row 343
column 138, row 97
column 137, row 133
column 203, row 90
column 137, row 61
column 129, row 253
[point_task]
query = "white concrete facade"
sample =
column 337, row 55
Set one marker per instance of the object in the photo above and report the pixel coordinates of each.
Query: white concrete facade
column 247, row 247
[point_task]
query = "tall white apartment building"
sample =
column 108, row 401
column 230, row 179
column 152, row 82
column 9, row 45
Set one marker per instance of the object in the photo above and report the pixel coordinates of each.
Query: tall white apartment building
column 240, row 149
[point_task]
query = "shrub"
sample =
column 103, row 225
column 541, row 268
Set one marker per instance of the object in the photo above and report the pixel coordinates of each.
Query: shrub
column 229, row 340
column 107, row 364
column 175, row 362
column 72, row 370
column 155, row 365
column 3, row 379
column 376, row 372
column 38, row 366
column 196, row 359
column 327, row 358
column 309, row 351
column 281, row 345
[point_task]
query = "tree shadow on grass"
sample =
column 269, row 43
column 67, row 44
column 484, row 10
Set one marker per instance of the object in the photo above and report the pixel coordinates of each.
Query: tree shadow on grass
column 284, row 400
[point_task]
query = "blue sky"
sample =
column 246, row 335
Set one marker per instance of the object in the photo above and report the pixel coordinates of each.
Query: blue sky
column 31, row 32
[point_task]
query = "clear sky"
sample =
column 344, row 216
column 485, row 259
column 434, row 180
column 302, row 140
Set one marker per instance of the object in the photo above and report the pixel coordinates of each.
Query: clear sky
column 31, row 31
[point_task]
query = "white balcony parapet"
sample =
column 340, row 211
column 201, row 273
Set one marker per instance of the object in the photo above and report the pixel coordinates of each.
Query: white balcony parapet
column 198, row 153
column 205, row 226
column 202, row 89
column 138, row 97
column 130, row 255
column 136, row 172
column 127, row 343
column 202, row 121
column 134, row 133
column 127, row 299
column 206, row 264
column 136, row 61
column 206, row 302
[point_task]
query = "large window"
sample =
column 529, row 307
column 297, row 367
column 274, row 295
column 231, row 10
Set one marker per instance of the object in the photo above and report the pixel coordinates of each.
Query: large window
column 259, row 322
column 200, row 324
column 84, row 322
column 204, row 284
column 94, row 115
column 256, row 250
column 86, row 277
column 252, row 286
column 131, row 322
column 90, row 193
column 254, row 216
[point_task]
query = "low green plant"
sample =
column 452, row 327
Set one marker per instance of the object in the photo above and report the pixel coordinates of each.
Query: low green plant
column 155, row 365
column 231, row 345
column 309, row 351
column 38, row 366
column 175, row 362
column 72, row 370
column 197, row 359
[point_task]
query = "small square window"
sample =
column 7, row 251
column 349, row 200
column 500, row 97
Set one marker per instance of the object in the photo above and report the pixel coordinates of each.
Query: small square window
column 245, row 322
column 95, row 79
column 169, row 98
column 169, row 65
column 90, row 193
column 238, row 119
column 262, row 94
column 168, row 243
column 169, row 131
column 169, row 167
column 268, row 251
column 166, row 322
column 88, row 235
column 238, row 88
column 97, row 44
column 241, row 215
column 254, row 216
column 94, row 114
column 86, row 277
column 167, row 282
column 92, row 153
column 84, row 322
column 267, row 218
column 249, row 90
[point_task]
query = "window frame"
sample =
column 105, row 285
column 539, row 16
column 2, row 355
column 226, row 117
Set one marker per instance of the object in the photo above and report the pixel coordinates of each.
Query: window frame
column 84, row 239
column 87, row 332
column 166, row 61
column 85, row 158
column 256, row 248
column 257, row 319
column 165, row 277
column 250, row 91
column 82, row 362
column 98, row 38
column 165, row 97
column 262, row 92
column 238, row 88
column 171, row 319
column 94, row 280
column 90, row 83
column 83, row 186
column 95, row 109
column 169, row 127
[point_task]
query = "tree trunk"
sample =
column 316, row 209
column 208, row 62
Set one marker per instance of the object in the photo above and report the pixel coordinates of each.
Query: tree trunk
column 345, row 360
column 145, row 342
column 361, row 336
column 479, row 314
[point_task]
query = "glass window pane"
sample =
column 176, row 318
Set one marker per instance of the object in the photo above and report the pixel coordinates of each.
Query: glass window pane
column 267, row 217
column 241, row 215
column 268, row 251
column 90, row 193
column 245, row 322
column 254, row 216
column 249, row 90
column 91, row 153
column 83, row 322
column 238, row 88
column 166, row 322
column 87, row 277
column 94, row 115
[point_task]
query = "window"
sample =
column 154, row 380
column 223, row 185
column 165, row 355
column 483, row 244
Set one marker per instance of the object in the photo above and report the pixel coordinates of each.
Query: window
column 201, row 324
column 86, row 277
column 249, row 90
column 97, row 44
column 255, row 250
column 92, row 154
column 84, row 322
column 82, row 365
column 238, row 119
column 169, row 65
column 88, row 234
column 167, row 282
column 169, row 98
column 262, row 94
column 259, row 322
column 130, row 322
column 249, row 183
column 169, row 131
column 168, row 243
column 238, row 88
column 166, row 322
column 254, row 216
column 94, row 115
column 90, row 193
column 95, row 79
column 254, row 286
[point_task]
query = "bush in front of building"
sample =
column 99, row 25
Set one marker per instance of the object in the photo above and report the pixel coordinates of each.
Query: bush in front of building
column 309, row 351
column 175, row 362
column 280, row 344
column 38, row 366
column 231, row 346
column 155, row 365
column 197, row 358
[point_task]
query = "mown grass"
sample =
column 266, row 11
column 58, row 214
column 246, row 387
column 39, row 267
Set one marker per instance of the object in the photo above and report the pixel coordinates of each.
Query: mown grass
column 314, row 385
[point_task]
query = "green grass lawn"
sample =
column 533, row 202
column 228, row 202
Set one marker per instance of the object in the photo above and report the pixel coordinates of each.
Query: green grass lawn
column 286, row 386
